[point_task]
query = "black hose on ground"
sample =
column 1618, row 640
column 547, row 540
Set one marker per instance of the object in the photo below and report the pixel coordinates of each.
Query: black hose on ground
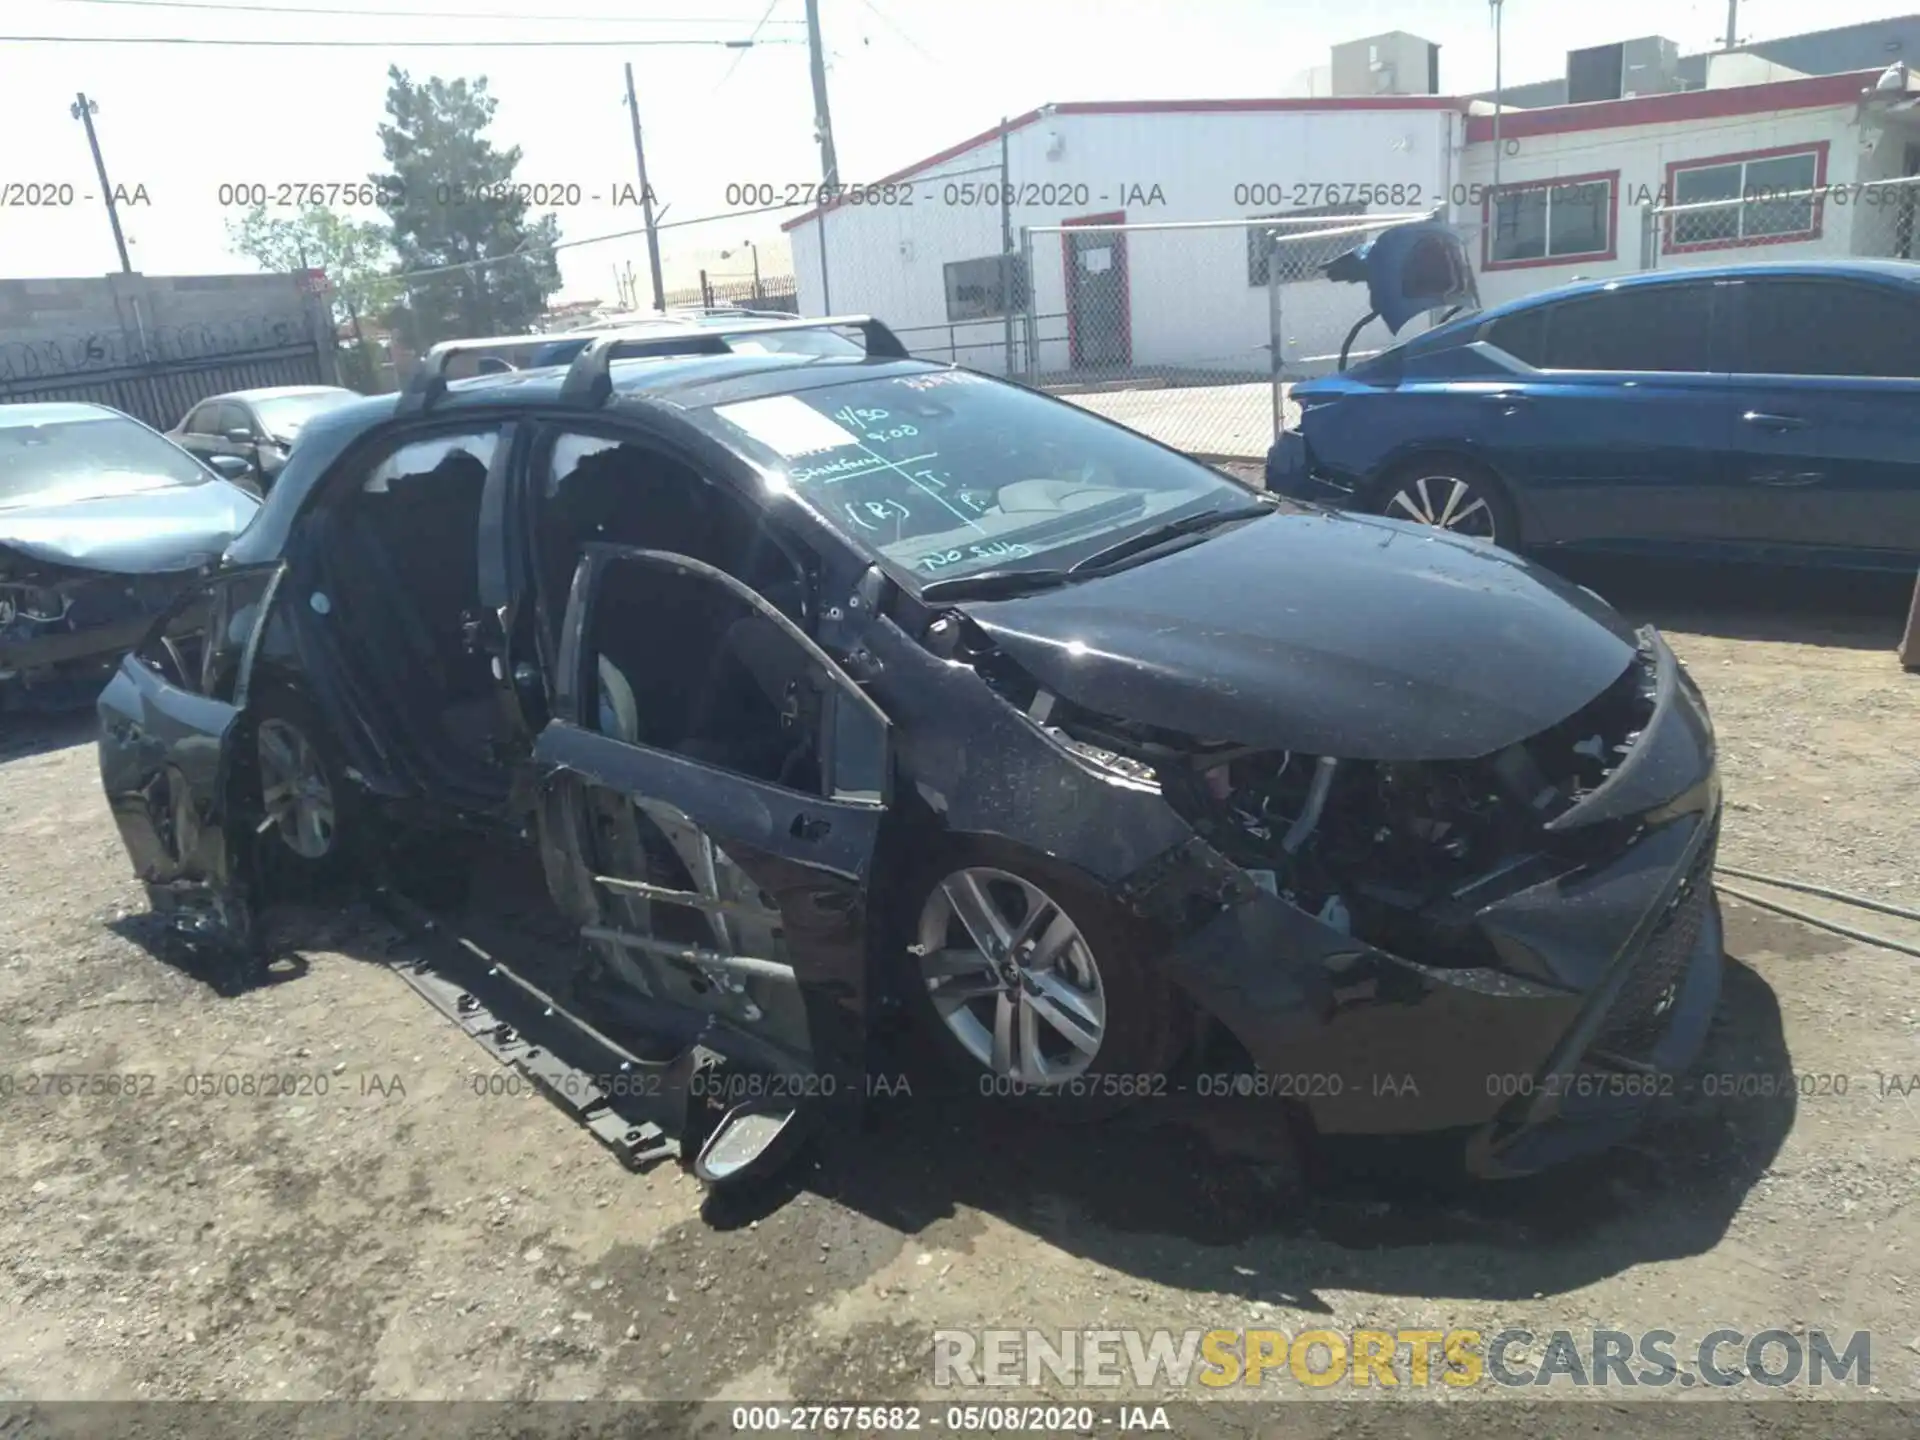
column 1865, row 937
column 1843, row 896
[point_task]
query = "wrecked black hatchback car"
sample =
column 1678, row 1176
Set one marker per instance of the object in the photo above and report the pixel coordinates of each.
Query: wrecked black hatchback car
column 797, row 686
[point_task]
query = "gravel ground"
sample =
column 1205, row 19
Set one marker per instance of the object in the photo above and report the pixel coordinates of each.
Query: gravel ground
column 387, row 1232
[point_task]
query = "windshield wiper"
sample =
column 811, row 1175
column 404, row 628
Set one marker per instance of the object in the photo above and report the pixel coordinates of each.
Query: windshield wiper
column 991, row 584
column 1167, row 530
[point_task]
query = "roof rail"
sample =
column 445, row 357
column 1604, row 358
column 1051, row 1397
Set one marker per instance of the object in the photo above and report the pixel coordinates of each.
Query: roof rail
column 589, row 381
column 429, row 379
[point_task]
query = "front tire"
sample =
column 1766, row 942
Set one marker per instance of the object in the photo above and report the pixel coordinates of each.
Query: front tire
column 1451, row 494
column 1034, row 986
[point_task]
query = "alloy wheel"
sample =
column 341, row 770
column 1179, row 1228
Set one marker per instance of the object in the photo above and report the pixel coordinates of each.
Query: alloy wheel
column 1011, row 976
column 1446, row 502
column 295, row 790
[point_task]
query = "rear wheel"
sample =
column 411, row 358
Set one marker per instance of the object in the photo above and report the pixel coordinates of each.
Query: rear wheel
column 306, row 809
column 1449, row 493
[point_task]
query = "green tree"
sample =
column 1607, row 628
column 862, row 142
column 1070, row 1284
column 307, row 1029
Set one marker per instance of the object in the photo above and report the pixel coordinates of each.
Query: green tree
column 450, row 197
column 354, row 253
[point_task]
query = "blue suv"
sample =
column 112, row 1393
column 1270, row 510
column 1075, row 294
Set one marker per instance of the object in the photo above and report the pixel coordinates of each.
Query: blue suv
column 1764, row 411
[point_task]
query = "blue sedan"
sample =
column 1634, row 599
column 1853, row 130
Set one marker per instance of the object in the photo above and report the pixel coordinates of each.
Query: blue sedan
column 1765, row 411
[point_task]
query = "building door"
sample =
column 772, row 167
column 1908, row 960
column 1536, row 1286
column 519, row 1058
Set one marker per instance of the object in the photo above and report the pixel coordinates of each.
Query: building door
column 1099, row 300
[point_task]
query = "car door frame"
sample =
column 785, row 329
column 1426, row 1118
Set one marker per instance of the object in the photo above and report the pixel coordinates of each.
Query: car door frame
column 198, row 442
column 425, row 783
column 811, row 856
column 215, row 442
column 190, row 742
column 528, row 621
column 1807, row 488
column 1555, row 494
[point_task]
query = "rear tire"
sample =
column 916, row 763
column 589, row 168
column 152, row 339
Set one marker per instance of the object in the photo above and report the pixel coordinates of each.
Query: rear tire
column 1032, row 986
column 307, row 811
column 1449, row 493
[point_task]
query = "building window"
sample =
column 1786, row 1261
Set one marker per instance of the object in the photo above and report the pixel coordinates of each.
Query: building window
column 1551, row 222
column 1298, row 259
column 1761, row 191
column 974, row 287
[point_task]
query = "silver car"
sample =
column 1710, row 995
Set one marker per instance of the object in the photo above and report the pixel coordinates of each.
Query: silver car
column 257, row 426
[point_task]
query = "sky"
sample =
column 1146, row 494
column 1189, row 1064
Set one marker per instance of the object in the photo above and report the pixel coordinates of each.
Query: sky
column 905, row 78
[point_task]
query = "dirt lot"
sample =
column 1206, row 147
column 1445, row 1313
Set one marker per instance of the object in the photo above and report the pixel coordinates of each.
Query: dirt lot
column 401, row 1236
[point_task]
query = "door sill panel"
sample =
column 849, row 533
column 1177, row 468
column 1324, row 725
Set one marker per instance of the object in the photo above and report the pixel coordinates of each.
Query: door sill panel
column 644, row 1110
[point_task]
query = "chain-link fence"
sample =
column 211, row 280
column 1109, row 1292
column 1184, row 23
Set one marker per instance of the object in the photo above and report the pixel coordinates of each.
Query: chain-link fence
column 1192, row 331
column 934, row 257
column 1875, row 218
column 771, row 292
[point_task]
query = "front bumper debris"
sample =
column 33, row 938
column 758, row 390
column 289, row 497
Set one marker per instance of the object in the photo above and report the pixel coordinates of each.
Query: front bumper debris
column 1290, row 471
column 79, row 619
column 1589, row 991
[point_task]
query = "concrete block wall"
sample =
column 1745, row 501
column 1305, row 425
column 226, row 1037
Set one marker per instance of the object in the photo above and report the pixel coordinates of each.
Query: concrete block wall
column 90, row 324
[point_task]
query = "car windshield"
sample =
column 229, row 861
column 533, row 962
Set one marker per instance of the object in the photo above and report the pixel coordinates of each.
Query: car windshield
column 66, row 460
column 285, row 414
column 948, row 473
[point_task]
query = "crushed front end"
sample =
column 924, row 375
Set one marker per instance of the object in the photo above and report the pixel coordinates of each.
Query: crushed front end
column 60, row 622
column 1523, row 948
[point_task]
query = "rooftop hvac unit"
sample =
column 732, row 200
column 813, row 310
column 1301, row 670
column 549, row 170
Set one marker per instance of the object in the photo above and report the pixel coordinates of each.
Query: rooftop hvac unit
column 1392, row 64
column 1647, row 66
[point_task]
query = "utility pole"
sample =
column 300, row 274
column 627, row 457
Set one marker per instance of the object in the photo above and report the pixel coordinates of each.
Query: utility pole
column 823, row 132
column 1733, row 23
column 1495, row 214
column 646, row 197
column 1007, row 286
column 84, row 110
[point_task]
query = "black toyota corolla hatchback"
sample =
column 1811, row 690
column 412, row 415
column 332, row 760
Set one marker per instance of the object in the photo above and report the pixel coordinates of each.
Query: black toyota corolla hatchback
column 807, row 688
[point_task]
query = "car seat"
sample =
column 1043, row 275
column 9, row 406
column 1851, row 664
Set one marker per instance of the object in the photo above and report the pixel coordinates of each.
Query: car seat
column 619, row 710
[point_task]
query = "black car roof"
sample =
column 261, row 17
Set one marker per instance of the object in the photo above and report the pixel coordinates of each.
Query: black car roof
column 678, row 382
column 670, row 384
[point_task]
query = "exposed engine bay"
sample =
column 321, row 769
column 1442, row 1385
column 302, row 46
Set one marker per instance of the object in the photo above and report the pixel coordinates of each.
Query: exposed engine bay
column 1366, row 846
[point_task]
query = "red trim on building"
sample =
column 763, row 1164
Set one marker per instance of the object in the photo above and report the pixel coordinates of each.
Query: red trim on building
column 1818, row 149
column 1111, row 217
column 1209, row 107
column 1612, row 252
column 1812, row 93
column 1815, row 92
column 1147, row 107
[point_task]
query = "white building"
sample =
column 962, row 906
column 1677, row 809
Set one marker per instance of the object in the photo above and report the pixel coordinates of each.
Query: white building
column 923, row 248
column 1581, row 186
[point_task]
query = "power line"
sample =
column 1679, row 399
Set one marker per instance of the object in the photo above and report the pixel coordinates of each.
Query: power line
column 765, row 15
column 604, row 43
column 533, row 250
column 889, row 22
column 245, row 9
